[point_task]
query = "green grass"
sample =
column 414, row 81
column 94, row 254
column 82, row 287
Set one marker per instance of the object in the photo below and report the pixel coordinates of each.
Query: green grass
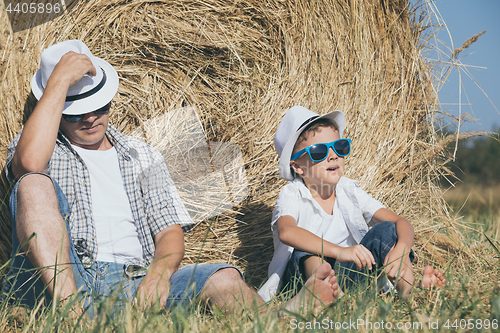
column 466, row 297
column 478, row 209
column 471, row 299
column 422, row 309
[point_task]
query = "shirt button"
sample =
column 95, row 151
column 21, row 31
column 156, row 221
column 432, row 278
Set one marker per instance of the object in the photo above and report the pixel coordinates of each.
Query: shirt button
column 90, row 210
column 84, row 182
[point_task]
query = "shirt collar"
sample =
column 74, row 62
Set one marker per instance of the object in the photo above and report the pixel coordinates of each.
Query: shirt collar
column 304, row 191
column 306, row 194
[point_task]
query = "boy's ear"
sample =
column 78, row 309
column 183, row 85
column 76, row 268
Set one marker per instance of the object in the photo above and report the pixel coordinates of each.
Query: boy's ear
column 296, row 168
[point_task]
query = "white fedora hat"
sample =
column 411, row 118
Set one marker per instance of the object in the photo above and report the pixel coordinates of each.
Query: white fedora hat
column 293, row 123
column 86, row 95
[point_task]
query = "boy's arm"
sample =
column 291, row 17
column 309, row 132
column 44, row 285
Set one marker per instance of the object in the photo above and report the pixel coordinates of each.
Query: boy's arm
column 405, row 233
column 299, row 238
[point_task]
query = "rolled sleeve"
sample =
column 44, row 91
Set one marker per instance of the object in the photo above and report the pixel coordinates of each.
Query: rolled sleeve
column 164, row 206
column 288, row 203
column 368, row 204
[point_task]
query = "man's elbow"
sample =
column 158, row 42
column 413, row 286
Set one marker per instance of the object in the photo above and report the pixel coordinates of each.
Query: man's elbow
column 173, row 231
column 23, row 166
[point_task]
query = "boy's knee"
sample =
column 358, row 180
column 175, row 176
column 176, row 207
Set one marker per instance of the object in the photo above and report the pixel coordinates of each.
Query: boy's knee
column 385, row 228
column 382, row 235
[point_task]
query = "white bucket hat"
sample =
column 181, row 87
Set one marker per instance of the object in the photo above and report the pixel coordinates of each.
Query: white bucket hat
column 86, row 95
column 293, row 123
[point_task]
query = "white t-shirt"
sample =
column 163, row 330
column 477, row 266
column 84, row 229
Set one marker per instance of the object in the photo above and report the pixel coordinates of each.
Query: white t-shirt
column 117, row 237
column 334, row 230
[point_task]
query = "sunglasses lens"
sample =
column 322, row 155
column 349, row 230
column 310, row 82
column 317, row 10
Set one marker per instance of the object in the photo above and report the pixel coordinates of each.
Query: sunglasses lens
column 342, row 147
column 318, row 152
column 72, row 118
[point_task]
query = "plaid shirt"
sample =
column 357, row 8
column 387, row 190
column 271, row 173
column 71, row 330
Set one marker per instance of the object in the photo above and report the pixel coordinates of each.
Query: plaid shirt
column 153, row 198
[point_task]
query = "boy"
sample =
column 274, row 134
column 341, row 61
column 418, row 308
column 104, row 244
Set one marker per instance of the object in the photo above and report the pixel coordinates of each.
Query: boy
column 320, row 214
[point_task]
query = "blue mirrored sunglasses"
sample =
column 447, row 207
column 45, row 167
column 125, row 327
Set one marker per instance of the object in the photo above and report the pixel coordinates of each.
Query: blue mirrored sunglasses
column 319, row 151
column 74, row 118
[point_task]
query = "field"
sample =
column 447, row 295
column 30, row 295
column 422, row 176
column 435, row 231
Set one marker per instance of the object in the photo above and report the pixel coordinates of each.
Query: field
column 242, row 64
column 470, row 302
column 478, row 209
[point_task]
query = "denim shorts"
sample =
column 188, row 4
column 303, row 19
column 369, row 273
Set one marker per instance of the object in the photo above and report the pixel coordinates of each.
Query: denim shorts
column 101, row 279
column 378, row 240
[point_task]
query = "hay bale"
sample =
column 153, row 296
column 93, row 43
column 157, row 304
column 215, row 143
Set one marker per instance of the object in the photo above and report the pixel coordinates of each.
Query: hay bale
column 243, row 64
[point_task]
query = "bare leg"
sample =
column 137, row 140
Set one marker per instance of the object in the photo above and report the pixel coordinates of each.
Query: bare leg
column 38, row 212
column 432, row 278
column 405, row 282
column 226, row 290
column 311, row 264
column 321, row 289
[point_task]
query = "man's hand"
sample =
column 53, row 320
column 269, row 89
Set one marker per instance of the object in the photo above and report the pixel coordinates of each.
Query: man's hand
column 169, row 250
column 153, row 288
column 70, row 69
column 397, row 261
column 357, row 254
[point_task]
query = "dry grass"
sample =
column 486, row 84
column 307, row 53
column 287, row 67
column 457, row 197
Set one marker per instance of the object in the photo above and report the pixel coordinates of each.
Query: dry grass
column 243, row 64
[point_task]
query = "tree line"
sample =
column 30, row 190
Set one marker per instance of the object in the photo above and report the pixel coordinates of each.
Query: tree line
column 477, row 160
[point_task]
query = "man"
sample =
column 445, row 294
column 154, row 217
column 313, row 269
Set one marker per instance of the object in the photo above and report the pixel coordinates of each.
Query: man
column 104, row 211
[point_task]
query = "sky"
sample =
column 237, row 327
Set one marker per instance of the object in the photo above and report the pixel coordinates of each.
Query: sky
column 464, row 18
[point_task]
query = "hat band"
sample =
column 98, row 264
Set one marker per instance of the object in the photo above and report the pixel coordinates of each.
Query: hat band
column 90, row 92
column 307, row 122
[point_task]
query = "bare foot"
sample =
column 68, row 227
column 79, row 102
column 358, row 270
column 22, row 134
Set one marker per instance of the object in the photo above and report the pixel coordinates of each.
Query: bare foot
column 321, row 289
column 432, row 277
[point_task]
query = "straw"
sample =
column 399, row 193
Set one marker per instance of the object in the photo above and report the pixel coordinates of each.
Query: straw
column 243, row 64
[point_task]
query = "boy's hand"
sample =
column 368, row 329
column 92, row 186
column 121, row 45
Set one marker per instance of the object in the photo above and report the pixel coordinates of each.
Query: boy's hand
column 397, row 261
column 357, row 254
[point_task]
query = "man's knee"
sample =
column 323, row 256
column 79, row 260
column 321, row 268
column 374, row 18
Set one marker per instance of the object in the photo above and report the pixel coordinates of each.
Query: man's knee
column 36, row 192
column 225, row 278
column 34, row 200
column 35, row 183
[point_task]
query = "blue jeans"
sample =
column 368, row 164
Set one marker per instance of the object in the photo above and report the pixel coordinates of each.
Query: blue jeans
column 378, row 240
column 101, row 279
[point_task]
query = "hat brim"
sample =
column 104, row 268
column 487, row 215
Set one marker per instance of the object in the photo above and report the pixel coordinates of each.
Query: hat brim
column 284, row 164
column 88, row 104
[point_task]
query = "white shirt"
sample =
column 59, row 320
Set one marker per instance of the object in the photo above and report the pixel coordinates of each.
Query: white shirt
column 355, row 207
column 334, row 229
column 116, row 231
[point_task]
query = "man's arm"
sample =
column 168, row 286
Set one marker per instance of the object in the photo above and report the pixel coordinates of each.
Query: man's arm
column 39, row 135
column 169, row 251
column 302, row 239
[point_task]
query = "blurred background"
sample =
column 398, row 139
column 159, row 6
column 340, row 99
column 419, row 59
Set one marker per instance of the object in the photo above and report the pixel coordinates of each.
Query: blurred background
column 471, row 92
